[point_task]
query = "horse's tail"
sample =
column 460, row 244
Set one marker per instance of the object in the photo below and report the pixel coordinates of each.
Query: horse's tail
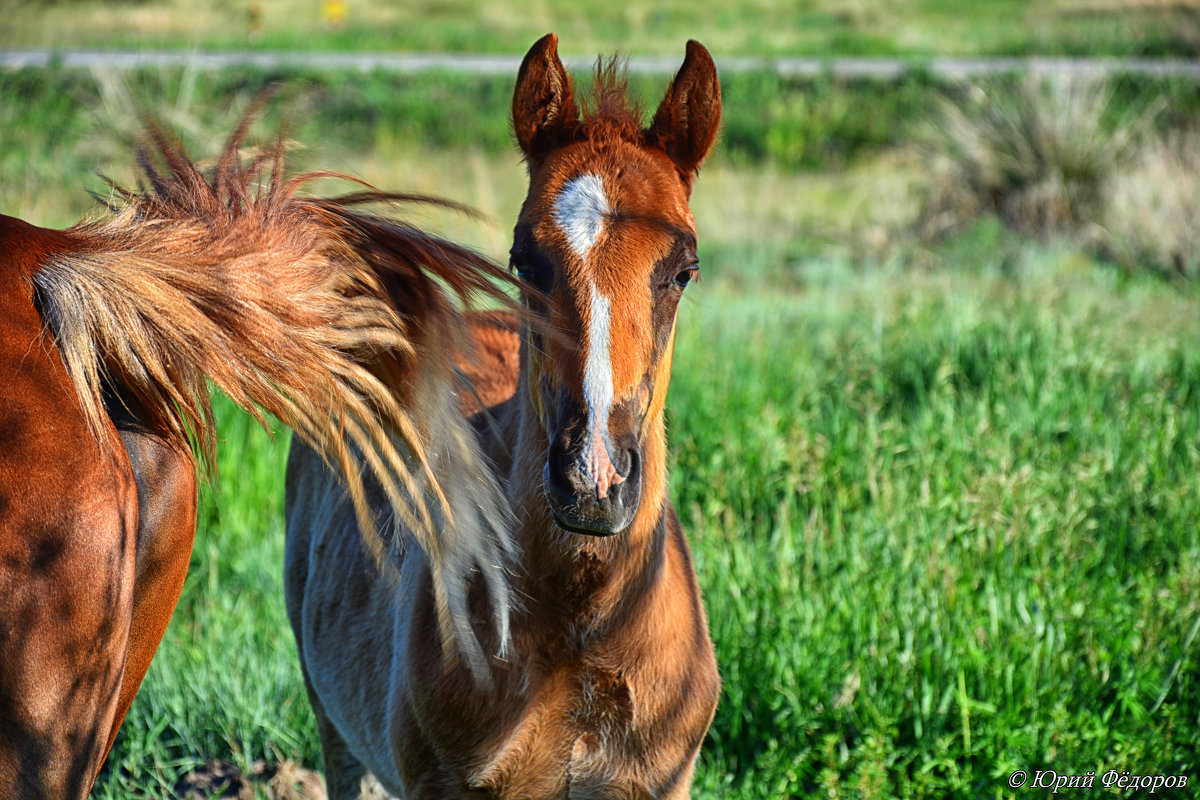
column 333, row 320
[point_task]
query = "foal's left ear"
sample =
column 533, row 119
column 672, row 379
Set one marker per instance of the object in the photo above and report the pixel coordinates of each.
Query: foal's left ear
column 687, row 120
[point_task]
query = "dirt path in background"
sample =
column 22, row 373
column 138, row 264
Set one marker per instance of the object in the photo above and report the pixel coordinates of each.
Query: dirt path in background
column 482, row 64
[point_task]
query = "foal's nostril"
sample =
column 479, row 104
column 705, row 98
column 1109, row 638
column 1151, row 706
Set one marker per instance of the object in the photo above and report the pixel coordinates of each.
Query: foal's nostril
column 627, row 464
column 556, row 478
column 635, row 464
column 624, row 495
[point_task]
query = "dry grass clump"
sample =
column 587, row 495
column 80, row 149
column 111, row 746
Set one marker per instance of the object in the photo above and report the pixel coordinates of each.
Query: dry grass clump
column 1152, row 217
column 1053, row 157
column 1039, row 154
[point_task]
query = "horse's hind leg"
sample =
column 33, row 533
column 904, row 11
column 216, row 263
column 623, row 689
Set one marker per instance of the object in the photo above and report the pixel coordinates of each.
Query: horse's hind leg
column 166, row 488
column 345, row 776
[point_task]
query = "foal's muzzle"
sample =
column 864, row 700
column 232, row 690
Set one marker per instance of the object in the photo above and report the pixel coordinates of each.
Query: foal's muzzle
column 572, row 489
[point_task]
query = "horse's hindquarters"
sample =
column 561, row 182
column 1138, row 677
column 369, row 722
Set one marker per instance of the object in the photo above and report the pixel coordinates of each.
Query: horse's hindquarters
column 68, row 524
column 65, row 595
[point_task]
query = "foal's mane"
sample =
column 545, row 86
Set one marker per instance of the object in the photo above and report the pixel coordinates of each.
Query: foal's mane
column 610, row 111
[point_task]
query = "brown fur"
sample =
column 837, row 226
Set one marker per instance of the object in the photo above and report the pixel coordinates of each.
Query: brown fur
column 167, row 503
column 333, row 320
column 609, row 683
column 491, row 366
column 63, row 553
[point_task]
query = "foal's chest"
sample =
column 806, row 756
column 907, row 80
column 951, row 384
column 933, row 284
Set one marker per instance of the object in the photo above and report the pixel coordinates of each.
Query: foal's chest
column 577, row 739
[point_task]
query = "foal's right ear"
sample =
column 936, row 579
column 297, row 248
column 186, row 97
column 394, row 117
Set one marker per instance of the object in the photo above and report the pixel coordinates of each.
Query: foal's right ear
column 543, row 101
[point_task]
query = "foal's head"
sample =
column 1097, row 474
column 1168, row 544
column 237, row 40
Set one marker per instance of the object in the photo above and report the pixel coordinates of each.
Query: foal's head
column 607, row 236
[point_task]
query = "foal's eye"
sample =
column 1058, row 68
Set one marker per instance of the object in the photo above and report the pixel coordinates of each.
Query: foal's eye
column 685, row 277
column 519, row 264
column 533, row 270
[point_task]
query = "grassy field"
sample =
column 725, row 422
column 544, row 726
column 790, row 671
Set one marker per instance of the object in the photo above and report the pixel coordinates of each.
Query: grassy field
column 944, row 497
column 947, row 526
column 761, row 27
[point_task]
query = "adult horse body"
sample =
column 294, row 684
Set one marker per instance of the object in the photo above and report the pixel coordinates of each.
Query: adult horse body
column 606, row 682
column 107, row 333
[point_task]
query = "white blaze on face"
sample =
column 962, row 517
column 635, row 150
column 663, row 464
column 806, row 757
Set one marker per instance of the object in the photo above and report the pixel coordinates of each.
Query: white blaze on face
column 581, row 212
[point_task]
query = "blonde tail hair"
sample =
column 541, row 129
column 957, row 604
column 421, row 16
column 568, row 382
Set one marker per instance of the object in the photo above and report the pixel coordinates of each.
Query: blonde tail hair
column 338, row 322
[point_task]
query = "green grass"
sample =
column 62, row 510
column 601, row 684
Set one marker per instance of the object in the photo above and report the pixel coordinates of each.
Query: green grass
column 64, row 123
column 225, row 682
column 947, row 526
column 795, row 124
column 761, row 27
column 449, row 135
column 945, row 501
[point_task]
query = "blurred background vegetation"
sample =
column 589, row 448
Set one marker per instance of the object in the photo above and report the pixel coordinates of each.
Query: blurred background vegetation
column 936, row 405
column 752, row 27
